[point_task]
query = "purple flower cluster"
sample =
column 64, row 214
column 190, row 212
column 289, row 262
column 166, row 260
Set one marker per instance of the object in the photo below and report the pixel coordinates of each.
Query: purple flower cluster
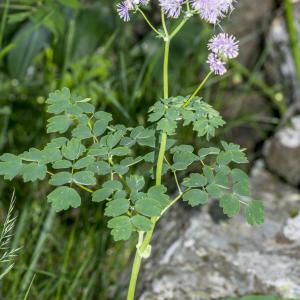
column 223, row 46
column 125, row 6
column 172, row 8
column 209, row 10
column 212, row 10
column 216, row 64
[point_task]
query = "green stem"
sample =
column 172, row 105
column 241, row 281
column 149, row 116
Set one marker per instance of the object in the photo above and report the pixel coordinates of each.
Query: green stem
column 187, row 102
column 141, row 249
column 134, row 275
column 188, row 5
column 166, row 73
column 84, row 188
column 173, row 202
column 148, row 21
column 175, row 177
column 293, row 35
column 178, row 28
column 161, row 155
column 164, row 24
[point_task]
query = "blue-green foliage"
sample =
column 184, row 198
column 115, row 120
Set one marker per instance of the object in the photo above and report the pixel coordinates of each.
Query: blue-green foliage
column 91, row 152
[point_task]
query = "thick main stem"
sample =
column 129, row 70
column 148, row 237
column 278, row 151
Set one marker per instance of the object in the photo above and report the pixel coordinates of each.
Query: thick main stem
column 134, row 275
column 141, row 249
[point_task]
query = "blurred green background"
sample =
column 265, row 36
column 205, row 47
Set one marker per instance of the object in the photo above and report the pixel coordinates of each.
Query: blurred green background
column 46, row 45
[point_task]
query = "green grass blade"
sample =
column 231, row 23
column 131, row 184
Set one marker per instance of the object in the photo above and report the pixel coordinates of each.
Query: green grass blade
column 38, row 249
column 29, row 288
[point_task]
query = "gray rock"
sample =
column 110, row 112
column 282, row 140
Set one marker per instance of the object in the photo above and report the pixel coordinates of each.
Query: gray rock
column 292, row 229
column 196, row 259
column 282, row 152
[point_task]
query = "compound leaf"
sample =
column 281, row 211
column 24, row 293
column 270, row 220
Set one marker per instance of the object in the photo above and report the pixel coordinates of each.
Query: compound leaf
column 85, row 107
column 58, row 124
column 56, row 143
column 114, row 185
column 239, row 175
column 141, row 223
column 114, row 138
column 60, row 178
column 195, row 197
column 239, row 157
column 82, row 132
column 32, row 154
column 45, row 156
column 59, row 101
column 100, row 127
column 120, row 151
column 157, row 111
column 208, row 151
column 255, row 213
column 222, row 178
column 195, row 180
column 50, row 155
column 214, row 190
column 158, row 193
column 101, row 194
column 10, row 166
column 183, row 159
column 100, row 168
column 135, row 182
column 242, row 188
column 73, row 149
column 33, row 172
column 230, row 204
column 117, row 207
column 120, row 169
column 121, row 228
column 84, row 162
column 208, row 173
column 62, row 198
column 103, row 116
column 84, row 178
column 148, row 207
column 62, row 164
column 169, row 126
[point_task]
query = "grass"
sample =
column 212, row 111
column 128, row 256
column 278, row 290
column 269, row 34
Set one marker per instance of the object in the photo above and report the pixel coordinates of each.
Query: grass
column 64, row 257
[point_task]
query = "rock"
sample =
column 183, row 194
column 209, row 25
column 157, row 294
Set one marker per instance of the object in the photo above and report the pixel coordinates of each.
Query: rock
column 292, row 229
column 195, row 258
column 282, row 152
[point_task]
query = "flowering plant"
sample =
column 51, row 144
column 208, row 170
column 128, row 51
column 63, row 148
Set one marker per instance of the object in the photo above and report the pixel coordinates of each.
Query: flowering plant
column 92, row 152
